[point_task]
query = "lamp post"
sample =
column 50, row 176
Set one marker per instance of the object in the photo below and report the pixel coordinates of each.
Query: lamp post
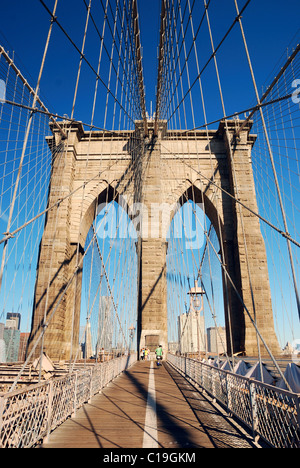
column 131, row 332
column 131, row 336
column 196, row 305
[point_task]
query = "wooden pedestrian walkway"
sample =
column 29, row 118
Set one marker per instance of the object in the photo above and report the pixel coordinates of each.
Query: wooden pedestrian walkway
column 149, row 407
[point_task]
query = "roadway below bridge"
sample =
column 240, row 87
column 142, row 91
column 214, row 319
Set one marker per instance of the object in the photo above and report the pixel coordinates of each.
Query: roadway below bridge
column 149, row 407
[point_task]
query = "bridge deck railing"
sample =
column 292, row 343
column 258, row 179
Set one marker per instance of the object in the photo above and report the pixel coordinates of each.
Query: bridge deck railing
column 271, row 413
column 30, row 414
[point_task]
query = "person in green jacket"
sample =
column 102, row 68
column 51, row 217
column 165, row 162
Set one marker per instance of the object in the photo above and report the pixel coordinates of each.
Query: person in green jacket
column 159, row 354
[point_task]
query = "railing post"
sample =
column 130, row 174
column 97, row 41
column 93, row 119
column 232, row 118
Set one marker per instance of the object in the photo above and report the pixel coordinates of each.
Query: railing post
column 49, row 416
column 228, row 393
column 1, row 420
column 298, row 412
column 201, row 375
column 213, row 382
column 254, row 412
column 91, row 385
column 197, row 366
column 210, row 381
column 101, row 377
column 75, row 395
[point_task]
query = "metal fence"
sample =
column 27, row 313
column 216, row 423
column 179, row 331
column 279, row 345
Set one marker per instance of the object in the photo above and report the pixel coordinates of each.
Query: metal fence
column 29, row 415
column 271, row 413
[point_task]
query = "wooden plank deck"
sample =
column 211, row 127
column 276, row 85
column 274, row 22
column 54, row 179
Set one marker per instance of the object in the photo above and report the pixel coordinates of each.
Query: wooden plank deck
column 135, row 411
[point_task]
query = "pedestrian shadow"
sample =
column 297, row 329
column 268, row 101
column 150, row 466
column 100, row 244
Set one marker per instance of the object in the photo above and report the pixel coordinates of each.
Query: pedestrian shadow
column 167, row 422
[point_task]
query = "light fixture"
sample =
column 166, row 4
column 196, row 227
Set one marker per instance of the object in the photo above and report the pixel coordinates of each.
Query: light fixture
column 195, row 294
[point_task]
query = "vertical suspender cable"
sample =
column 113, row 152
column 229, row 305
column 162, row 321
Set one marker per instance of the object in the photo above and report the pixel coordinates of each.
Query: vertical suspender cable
column 160, row 65
column 137, row 41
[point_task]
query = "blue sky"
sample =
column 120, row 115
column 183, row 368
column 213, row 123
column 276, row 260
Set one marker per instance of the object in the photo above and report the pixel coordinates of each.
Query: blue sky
column 270, row 26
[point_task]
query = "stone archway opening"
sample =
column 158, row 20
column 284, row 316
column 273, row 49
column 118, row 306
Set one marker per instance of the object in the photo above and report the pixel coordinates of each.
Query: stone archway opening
column 194, row 254
column 92, row 298
column 108, row 316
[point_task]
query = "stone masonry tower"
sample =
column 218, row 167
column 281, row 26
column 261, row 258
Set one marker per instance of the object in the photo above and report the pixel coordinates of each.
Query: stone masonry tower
column 170, row 168
column 153, row 284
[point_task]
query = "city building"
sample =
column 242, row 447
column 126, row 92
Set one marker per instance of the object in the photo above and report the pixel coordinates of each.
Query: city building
column 13, row 320
column 11, row 337
column 216, row 340
column 2, row 351
column 2, row 344
column 191, row 331
column 86, row 346
column 23, row 346
column 105, row 326
column 174, row 347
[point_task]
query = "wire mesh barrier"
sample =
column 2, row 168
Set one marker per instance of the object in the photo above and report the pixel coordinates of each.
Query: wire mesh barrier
column 271, row 413
column 29, row 415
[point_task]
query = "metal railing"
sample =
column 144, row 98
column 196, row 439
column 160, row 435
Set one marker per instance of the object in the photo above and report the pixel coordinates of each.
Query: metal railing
column 271, row 413
column 27, row 416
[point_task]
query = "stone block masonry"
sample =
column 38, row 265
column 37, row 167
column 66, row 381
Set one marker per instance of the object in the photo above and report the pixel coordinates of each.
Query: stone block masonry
column 169, row 169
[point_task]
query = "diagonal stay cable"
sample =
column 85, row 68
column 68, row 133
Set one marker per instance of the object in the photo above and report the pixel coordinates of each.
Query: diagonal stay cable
column 10, row 235
column 283, row 233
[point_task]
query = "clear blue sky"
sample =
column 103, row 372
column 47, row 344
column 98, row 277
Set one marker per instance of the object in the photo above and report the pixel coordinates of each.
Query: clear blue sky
column 270, row 26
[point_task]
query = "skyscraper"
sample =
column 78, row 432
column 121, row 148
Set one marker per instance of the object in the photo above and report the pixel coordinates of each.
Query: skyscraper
column 2, row 344
column 13, row 320
column 105, row 329
column 11, row 336
column 216, row 340
column 191, row 330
